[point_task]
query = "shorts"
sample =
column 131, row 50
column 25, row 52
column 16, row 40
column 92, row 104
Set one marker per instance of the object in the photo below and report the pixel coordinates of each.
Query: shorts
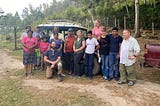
column 28, row 58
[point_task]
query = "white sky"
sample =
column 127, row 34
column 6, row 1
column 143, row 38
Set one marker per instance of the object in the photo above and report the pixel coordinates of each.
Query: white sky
column 11, row 6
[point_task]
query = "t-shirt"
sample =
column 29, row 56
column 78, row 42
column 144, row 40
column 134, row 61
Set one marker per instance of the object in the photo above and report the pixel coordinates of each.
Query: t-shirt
column 115, row 43
column 58, row 43
column 90, row 45
column 24, row 34
column 29, row 42
column 35, row 34
column 43, row 47
column 78, row 44
column 52, row 55
column 97, row 31
column 70, row 43
column 104, row 45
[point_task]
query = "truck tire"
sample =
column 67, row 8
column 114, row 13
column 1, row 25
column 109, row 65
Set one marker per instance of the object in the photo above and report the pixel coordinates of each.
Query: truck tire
column 96, row 66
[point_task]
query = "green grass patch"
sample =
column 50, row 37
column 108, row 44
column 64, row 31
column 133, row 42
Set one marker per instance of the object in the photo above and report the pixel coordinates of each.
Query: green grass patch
column 11, row 93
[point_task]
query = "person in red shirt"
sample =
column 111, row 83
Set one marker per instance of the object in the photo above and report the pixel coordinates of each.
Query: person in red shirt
column 29, row 44
column 44, row 45
column 68, row 50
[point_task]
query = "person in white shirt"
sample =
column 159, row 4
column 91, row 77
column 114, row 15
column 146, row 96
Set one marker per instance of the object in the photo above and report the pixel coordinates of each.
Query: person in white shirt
column 38, row 32
column 92, row 45
column 128, row 52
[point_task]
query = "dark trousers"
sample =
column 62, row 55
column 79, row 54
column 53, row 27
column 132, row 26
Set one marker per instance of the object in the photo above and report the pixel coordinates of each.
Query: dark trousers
column 89, row 64
column 113, row 65
column 69, row 61
column 77, row 59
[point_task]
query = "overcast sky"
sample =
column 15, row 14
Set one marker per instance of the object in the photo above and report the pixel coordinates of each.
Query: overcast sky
column 11, row 6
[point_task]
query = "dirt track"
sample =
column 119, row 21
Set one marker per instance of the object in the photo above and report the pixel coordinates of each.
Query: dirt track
column 142, row 94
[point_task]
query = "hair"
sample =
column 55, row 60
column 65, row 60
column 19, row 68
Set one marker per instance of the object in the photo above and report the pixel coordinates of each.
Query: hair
column 115, row 28
column 30, row 31
column 128, row 30
column 97, row 20
column 89, row 32
column 56, row 27
column 38, row 27
column 28, row 26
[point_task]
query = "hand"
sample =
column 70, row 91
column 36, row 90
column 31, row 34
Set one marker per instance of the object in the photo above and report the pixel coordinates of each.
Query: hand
column 75, row 50
column 118, row 56
column 98, row 55
column 53, row 64
column 84, row 56
column 131, row 57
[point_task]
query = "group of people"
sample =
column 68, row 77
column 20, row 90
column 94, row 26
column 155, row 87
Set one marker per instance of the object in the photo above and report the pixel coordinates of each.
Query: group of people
column 117, row 54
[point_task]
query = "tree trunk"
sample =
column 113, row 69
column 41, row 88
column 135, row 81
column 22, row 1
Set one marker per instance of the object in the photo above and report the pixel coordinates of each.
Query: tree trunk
column 118, row 24
column 107, row 22
column 125, row 22
column 153, row 28
column 137, row 28
column 115, row 22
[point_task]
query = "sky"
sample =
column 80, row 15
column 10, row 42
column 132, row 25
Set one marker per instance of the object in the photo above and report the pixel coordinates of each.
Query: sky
column 11, row 6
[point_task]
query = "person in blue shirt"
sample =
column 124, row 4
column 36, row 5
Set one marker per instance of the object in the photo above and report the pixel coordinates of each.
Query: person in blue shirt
column 52, row 58
column 114, row 57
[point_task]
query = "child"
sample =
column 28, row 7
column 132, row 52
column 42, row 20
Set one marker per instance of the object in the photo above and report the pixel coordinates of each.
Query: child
column 44, row 45
column 37, row 52
column 91, row 46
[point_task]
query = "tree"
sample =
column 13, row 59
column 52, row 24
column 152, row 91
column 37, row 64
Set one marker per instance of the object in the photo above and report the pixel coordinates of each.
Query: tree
column 137, row 30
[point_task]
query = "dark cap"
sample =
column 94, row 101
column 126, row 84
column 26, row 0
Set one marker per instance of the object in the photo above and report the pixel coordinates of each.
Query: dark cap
column 70, row 30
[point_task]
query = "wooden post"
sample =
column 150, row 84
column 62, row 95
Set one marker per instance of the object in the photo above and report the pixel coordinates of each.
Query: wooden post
column 115, row 22
column 15, row 38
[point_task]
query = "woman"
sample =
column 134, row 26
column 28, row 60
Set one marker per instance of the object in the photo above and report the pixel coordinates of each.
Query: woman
column 97, row 30
column 78, row 47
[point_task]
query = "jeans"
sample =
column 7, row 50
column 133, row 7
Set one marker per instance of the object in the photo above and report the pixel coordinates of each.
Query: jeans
column 69, row 61
column 89, row 64
column 77, row 59
column 105, row 65
column 113, row 65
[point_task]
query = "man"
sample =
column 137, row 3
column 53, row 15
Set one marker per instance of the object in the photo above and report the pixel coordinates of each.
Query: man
column 52, row 57
column 115, row 43
column 129, row 51
column 56, row 30
column 68, row 50
column 24, row 34
column 37, row 32
column 29, row 43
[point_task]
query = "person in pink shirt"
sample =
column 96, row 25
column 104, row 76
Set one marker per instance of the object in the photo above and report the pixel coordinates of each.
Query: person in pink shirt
column 97, row 30
column 29, row 44
column 44, row 45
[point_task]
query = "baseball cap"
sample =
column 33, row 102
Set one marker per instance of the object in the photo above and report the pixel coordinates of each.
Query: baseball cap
column 70, row 30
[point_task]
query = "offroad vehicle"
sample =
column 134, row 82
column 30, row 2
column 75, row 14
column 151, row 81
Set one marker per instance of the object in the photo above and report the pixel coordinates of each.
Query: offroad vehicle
column 151, row 55
column 63, row 26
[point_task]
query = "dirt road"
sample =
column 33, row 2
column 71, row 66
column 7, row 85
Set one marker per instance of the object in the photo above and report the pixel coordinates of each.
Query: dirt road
column 142, row 94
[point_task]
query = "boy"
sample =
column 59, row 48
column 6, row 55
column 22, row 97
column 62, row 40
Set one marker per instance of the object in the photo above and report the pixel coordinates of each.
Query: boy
column 91, row 43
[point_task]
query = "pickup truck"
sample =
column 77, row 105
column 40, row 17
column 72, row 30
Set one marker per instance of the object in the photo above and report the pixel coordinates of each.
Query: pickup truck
column 151, row 55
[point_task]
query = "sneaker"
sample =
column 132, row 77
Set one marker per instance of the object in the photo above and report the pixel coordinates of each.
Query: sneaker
column 62, row 75
column 130, row 83
column 109, row 79
column 59, row 78
column 116, row 78
column 121, row 82
column 25, row 74
column 31, row 73
column 105, row 78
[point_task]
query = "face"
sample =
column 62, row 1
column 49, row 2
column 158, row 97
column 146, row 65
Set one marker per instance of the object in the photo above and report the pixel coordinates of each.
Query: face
column 114, row 32
column 56, row 36
column 96, row 23
column 126, row 34
column 30, row 33
column 89, row 36
column 28, row 28
column 79, row 33
column 104, row 32
column 55, row 30
column 53, row 45
column 38, row 30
